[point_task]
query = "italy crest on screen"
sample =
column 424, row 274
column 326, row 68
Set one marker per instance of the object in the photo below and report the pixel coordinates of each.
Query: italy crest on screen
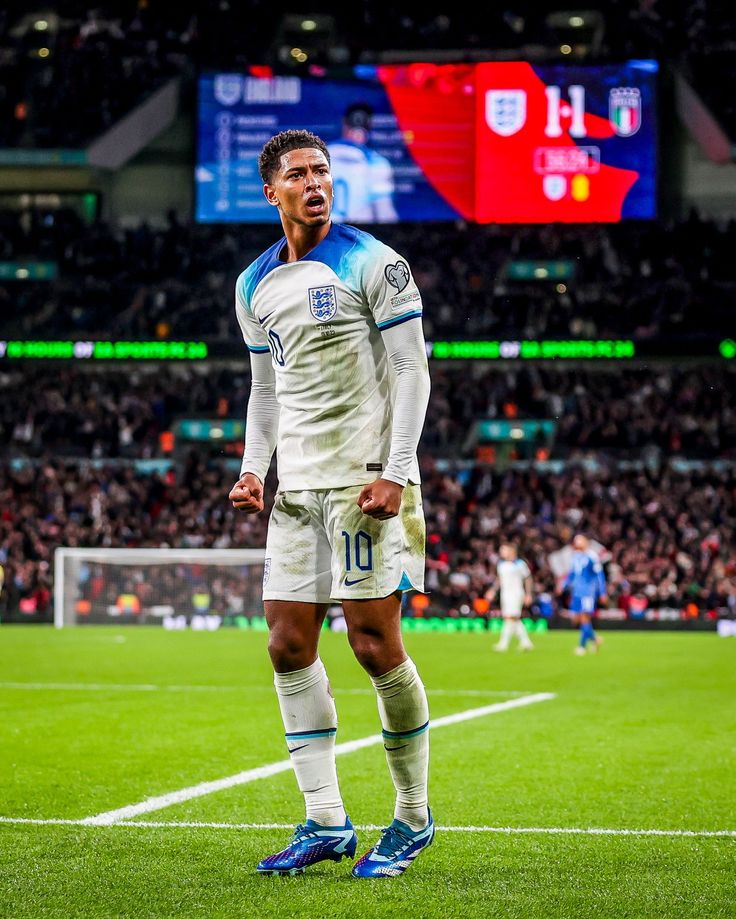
column 624, row 110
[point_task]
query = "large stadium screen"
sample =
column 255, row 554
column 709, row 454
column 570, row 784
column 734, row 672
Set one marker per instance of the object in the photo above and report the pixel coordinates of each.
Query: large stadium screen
column 496, row 142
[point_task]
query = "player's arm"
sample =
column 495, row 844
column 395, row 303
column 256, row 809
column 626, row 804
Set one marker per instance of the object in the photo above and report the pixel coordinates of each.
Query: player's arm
column 527, row 581
column 382, row 189
column 528, row 589
column 601, row 585
column 384, row 210
column 261, row 428
column 408, row 357
column 396, row 306
column 262, row 418
column 492, row 591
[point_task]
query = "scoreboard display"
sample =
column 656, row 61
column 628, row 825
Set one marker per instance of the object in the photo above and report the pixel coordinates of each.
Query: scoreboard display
column 495, row 142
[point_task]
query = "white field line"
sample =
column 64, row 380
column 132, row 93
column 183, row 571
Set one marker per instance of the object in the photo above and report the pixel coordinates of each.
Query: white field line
column 156, row 687
column 369, row 827
column 262, row 772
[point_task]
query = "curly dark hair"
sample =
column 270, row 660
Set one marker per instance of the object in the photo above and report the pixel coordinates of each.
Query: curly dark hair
column 270, row 158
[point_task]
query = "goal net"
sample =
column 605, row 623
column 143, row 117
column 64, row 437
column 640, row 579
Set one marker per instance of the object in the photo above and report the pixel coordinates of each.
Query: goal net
column 175, row 587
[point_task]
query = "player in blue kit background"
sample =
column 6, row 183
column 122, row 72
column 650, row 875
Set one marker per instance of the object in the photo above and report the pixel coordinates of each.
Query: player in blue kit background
column 586, row 582
column 340, row 384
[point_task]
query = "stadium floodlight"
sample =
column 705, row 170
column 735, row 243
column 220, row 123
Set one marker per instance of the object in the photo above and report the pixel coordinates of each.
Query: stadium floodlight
column 576, row 31
column 136, row 586
column 312, row 38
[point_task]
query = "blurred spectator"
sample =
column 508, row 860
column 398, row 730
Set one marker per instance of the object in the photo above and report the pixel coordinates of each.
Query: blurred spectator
column 669, row 536
column 116, row 411
column 69, row 75
column 635, row 280
column 52, row 504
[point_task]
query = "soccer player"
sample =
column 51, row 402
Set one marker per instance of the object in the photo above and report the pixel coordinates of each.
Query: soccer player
column 363, row 180
column 340, row 384
column 586, row 582
column 515, row 581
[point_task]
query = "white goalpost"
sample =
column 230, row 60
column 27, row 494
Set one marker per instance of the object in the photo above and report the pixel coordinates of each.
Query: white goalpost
column 127, row 586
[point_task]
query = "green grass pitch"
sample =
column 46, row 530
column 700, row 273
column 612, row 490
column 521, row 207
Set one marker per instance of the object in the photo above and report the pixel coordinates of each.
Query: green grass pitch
column 640, row 736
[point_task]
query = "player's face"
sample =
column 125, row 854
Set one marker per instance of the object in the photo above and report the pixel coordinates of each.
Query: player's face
column 302, row 188
column 507, row 553
column 357, row 135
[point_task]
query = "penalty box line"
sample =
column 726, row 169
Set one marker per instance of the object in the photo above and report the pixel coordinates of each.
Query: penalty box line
column 368, row 827
column 160, row 802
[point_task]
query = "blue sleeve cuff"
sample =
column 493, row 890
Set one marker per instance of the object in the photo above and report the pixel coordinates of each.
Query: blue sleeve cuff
column 390, row 323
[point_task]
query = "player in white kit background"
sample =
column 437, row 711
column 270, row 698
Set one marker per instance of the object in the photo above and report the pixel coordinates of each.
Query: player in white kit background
column 515, row 585
column 340, row 384
column 363, row 179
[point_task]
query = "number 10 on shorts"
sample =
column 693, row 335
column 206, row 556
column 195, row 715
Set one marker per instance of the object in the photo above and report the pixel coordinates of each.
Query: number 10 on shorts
column 358, row 551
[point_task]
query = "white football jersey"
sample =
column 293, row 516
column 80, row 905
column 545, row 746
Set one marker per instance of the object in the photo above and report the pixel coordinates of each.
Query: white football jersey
column 321, row 318
column 360, row 178
column 511, row 577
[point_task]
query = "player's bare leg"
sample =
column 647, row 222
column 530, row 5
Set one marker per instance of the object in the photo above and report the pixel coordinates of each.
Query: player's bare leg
column 310, row 721
column 374, row 631
column 293, row 633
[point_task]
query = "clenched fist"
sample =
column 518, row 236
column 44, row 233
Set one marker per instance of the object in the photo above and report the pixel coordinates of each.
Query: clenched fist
column 247, row 494
column 381, row 499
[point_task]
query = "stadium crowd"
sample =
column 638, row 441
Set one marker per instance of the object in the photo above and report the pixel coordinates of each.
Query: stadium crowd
column 710, row 56
column 70, row 438
column 668, row 537
column 102, row 413
column 57, row 504
column 70, row 71
column 638, row 280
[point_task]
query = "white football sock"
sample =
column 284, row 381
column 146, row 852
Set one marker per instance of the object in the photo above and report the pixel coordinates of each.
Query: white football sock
column 310, row 721
column 402, row 705
column 523, row 635
column 507, row 630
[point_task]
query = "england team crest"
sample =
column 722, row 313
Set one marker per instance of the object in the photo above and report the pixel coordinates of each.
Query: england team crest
column 228, row 88
column 624, row 110
column 506, row 110
column 554, row 187
column 322, row 303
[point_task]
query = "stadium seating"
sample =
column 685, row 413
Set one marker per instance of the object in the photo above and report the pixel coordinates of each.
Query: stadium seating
column 650, row 411
column 93, row 455
column 177, row 281
column 68, row 77
column 668, row 534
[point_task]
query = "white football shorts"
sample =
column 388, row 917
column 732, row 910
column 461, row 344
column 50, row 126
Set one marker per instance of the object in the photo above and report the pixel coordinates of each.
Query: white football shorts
column 322, row 547
column 512, row 608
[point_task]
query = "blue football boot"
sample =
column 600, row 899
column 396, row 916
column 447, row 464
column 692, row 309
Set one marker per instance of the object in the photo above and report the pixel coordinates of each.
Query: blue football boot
column 397, row 848
column 312, row 843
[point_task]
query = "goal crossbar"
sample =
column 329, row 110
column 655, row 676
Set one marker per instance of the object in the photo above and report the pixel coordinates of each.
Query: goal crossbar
column 140, row 557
